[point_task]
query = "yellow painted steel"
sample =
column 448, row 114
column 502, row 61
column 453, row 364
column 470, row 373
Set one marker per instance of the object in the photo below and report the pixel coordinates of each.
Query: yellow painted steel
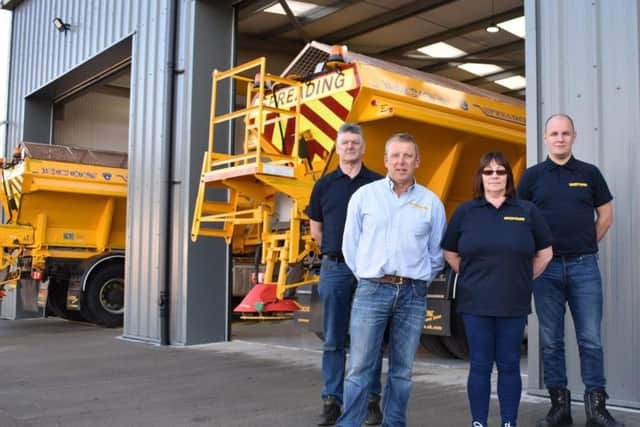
column 62, row 209
column 268, row 189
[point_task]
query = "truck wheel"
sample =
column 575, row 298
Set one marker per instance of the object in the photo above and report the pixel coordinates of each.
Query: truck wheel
column 57, row 301
column 433, row 344
column 104, row 295
column 457, row 342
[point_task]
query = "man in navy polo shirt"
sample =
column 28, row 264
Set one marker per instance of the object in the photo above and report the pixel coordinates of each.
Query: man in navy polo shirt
column 568, row 192
column 327, row 212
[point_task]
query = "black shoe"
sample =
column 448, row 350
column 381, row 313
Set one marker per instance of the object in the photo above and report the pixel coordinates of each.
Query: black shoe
column 595, row 408
column 374, row 414
column 560, row 413
column 330, row 412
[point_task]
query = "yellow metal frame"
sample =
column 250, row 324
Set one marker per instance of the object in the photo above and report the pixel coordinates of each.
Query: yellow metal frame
column 237, row 173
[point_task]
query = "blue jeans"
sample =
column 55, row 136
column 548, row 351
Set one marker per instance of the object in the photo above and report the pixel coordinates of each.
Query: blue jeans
column 375, row 305
column 494, row 339
column 573, row 280
column 336, row 288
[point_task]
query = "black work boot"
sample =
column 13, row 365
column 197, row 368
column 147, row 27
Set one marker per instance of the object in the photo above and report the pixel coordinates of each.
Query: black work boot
column 330, row 412
column 560, row 413
column 595, row 408
column 374, row 414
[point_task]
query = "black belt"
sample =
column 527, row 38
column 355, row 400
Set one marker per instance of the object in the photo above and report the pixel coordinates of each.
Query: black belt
column 334, row 258
column 392, row 280
column 569, row 257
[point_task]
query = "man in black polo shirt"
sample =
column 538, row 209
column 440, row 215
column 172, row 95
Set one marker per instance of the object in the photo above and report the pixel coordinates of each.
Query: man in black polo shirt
column 327, row 212
column 568, row 192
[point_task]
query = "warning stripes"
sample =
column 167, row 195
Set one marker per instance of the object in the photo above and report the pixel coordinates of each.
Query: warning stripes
column 319, row 122
column 14, row 189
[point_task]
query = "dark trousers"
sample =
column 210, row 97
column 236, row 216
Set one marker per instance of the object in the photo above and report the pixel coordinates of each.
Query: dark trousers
column 494, row 339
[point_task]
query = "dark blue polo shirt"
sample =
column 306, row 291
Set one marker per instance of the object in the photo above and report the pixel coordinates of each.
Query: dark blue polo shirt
column 328, row 205
column 567, row 196
column 496, row 247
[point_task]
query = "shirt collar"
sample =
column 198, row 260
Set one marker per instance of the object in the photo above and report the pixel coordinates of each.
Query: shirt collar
column 391, row 184
column 481, row 201
column 362, row 173
column 550, row 164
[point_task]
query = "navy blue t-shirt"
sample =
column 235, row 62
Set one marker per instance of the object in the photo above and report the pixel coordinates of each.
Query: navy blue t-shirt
column 328, row 205
column 496, row 247
column 567, row 196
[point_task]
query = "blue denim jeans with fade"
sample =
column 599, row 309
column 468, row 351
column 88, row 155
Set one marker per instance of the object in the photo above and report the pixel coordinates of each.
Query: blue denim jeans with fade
column 375, row 305
column 576, row 281
column 336, row 288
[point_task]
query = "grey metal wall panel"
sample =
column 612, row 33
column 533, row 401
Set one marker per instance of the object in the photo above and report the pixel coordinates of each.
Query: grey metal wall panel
column 198, row 270
column 41, row 54
column 587, row 59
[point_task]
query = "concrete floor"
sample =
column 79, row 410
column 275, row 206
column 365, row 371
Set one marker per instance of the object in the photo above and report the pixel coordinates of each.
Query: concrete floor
column 57, row 373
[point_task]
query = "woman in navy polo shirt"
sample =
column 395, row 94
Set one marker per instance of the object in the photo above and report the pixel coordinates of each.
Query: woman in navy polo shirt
column 497, row 244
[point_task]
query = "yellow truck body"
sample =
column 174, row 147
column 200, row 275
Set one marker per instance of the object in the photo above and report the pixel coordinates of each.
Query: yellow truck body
column 290, row 127
column 65, row 209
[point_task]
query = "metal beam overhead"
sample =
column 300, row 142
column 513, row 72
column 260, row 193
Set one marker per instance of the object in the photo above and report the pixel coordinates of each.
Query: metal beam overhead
column 437, row 60
column 247, row 8
column 490, row 78
column 454, row 32
column 491, row 51
column 294, row 21
column 382, row 20
column 253, row 43
column 314, row 15
column 518, row 93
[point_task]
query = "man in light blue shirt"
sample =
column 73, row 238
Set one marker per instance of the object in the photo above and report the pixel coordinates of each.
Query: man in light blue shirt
column 391, row 243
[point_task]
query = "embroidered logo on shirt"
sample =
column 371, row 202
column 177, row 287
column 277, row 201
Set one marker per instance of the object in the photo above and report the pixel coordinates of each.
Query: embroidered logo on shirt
column 415, row 205
column 515, row 218
column 578, row 184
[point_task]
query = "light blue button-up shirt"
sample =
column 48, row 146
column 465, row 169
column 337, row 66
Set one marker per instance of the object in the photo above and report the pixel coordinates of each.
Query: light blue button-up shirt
column 389, row 234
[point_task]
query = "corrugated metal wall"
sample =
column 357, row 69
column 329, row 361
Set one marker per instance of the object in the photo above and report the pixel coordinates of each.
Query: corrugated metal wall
column 583, row 58
column 40, row 54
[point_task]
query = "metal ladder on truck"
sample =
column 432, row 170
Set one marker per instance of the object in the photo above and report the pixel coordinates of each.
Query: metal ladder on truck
column 257, row 181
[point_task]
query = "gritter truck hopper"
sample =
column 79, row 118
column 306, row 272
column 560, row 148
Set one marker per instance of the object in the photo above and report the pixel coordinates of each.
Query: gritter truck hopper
column 289, row 125
column 64, row 238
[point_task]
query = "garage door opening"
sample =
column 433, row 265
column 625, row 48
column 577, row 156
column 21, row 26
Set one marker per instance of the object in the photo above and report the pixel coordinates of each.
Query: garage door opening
column 73, row 161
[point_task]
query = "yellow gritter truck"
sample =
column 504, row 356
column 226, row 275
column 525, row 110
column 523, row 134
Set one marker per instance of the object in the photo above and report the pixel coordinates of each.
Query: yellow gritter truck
column 63, row 240
column 289, row 125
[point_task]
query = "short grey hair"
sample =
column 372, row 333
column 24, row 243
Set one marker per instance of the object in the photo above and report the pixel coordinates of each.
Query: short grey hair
column 402, row 137
column 350, row 128
column 564, row 116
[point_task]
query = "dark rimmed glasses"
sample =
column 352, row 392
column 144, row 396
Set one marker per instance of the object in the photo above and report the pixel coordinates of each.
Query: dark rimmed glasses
column 489, row 172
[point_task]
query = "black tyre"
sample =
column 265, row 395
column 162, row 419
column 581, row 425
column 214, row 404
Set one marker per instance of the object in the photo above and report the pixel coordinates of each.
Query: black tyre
column 457, row 342
column 434, row 345
column 57, row 300
column 104, row 295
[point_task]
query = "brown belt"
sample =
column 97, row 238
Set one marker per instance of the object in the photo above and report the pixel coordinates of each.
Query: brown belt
column 392, row 280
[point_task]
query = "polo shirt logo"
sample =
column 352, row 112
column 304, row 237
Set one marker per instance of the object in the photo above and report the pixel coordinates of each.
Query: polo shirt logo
column 578, row 184
column 515, row 218
column 415, row 205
